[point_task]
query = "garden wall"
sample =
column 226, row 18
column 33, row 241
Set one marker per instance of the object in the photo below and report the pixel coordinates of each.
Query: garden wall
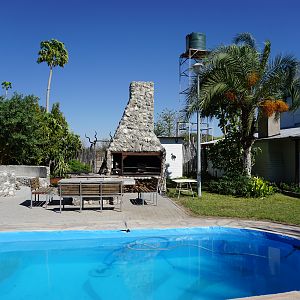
column 13, row 176
column 27, row 171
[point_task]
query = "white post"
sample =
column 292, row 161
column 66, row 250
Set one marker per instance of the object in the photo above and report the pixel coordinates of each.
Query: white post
column 198, row 143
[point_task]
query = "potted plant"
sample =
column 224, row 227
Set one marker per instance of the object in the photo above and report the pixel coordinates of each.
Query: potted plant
column 60, row 170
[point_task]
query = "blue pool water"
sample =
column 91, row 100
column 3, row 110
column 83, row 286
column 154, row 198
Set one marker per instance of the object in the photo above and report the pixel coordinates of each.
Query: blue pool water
column 194, row 263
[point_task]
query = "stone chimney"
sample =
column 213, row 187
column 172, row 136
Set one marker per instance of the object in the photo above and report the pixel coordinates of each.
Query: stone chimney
column 135, row 132
column 268, row 126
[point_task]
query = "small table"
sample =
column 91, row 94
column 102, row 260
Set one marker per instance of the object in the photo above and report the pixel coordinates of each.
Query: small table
column 187, row 183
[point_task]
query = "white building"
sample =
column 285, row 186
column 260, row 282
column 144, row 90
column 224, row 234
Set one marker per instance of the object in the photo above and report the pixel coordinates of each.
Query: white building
column 174, row 155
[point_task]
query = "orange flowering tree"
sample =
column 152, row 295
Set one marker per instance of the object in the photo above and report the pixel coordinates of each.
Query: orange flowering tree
column 270, row 107
column 239, row 82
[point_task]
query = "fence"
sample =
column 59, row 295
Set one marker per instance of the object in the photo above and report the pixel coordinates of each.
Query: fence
column 91, row 157
column 190, row 158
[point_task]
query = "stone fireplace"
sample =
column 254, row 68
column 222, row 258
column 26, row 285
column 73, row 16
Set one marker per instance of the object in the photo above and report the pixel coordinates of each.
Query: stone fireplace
column 135, row 150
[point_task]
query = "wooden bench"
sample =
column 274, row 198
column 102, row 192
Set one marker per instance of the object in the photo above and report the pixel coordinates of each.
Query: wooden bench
column 68, row 190
column 36, row 189
column 91, row 190
column 112, row 189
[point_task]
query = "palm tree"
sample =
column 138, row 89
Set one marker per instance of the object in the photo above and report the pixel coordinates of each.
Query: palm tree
column 238, row 80
column 6, row 85
column 54, row 53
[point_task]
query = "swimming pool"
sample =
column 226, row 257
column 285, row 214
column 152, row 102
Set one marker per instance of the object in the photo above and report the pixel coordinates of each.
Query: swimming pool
column 190, row 263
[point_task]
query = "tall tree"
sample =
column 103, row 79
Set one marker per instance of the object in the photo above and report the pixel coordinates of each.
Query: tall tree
column 6, row 85
column 29, row 135
column 20, row 134
column 242, row 82
column 55, row 54
column 61, row 144
column 166, row 123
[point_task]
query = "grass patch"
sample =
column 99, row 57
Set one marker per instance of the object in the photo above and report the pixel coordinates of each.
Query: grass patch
column 276, row 208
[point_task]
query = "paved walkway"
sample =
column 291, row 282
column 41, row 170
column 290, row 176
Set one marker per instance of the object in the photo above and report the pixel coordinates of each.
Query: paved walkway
column 15, row 214
column 295, row 295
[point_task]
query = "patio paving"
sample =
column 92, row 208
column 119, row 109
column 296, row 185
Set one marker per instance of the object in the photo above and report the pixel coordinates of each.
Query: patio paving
column 15, row 215
column 294, row 295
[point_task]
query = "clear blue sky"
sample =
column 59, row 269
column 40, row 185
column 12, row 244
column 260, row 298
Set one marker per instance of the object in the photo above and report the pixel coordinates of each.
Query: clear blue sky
column 112, row 43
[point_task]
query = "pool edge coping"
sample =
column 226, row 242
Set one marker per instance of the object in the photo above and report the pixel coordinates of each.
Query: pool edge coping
column 44, row 235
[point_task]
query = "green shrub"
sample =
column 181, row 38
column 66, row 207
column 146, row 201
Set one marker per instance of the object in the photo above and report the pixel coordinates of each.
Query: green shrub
column 241, row 186
column 226, row 185
column 260, row 187
column 292, row 187
column 76, row 166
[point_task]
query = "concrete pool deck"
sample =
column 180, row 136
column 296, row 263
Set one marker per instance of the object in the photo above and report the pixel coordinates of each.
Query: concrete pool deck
column 295, row 295
column 15, row 215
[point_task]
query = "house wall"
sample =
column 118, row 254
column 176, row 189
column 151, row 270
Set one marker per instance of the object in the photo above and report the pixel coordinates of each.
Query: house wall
column 276, row 162
column 290, row 119
column 174, row 157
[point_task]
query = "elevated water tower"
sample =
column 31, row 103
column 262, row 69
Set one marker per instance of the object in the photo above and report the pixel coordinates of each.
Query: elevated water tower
column 195, row 51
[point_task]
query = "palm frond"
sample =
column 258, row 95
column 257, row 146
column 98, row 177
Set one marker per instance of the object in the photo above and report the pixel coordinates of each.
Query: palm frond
column 234, row 61
column 210, row 92
column 294, row 94
column 265, row 56
column 278, row 77
column 245, row 38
